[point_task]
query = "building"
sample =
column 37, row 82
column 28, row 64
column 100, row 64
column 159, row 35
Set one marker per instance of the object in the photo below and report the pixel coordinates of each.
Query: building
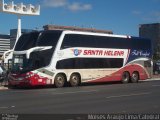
column 152, row 31
column 13, row 35
column 57, row 27
column 4, row 43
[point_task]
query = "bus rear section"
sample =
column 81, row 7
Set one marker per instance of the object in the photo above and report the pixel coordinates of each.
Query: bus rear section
column 79, row 57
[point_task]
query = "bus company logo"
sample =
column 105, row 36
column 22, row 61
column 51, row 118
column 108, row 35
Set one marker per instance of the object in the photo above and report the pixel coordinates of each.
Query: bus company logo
column 77, row 52
column 140, row 53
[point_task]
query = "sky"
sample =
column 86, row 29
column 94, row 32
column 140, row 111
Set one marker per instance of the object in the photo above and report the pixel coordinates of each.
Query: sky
column 121, row 16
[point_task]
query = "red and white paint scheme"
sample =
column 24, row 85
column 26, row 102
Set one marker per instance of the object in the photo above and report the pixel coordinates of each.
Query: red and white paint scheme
column 61, row 56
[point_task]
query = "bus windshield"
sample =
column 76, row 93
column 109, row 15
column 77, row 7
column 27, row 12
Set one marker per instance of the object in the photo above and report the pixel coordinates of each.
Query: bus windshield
column 27, row 41
column 38, row 58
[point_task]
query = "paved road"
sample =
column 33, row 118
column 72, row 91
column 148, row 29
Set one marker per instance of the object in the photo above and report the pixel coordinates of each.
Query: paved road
column 143, row 97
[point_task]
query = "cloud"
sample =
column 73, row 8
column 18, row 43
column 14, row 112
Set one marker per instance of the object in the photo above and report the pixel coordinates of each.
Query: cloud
column 136, row 12
column 54, row 3
column 76, row 6
column 79, row 7
column 156, row 14
column 153, row 16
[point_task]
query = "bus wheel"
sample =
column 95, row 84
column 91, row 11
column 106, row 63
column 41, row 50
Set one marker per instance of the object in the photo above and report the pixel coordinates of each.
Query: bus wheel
column 134, row 77
column 59, row 80
column 75, row 80
column 125, row 77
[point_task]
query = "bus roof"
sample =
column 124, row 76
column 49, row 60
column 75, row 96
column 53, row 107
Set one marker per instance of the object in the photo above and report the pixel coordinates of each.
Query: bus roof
column 57, row 27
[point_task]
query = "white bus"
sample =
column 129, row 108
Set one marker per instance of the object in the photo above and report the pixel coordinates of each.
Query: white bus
column 57, row 57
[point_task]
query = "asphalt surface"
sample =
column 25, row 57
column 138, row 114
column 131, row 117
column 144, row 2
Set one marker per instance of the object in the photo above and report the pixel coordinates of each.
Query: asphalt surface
column 143, row 97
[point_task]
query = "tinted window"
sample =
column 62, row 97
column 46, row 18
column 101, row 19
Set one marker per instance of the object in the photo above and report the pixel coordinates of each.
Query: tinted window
column 26, row 41
column 76, row 40
column 49, row 38
column 88, row 63
column 41, row 58
column 140, row 43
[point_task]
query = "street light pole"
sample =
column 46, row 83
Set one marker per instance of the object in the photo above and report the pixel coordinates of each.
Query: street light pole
column 19, row 28
column 19, row 10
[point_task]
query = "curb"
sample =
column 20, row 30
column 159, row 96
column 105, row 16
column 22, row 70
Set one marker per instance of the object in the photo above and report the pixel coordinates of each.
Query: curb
column 152, row 79
column 4, row 85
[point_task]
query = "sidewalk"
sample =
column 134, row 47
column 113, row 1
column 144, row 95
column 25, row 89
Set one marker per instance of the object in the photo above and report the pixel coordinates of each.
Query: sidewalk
column 3, row 85
column 156, row 76
column 3, row 88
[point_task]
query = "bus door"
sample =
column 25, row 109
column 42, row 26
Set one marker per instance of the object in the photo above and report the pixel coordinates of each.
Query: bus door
column 9, row 64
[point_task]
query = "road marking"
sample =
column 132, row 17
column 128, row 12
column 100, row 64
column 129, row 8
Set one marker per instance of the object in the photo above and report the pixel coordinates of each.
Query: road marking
column 74, row 92
column 156, row 85
column 154, row 79
column 7, row 107
column 129, row 95
column 3, row 107
column 33, row 90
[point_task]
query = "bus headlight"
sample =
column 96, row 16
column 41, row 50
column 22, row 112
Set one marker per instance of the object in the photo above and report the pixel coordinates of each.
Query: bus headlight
column 28, row 75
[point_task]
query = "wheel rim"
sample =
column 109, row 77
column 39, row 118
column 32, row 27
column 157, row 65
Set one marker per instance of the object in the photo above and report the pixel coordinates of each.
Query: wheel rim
column 75, row 80
column 135, row 77
column 125, row 78
column 59, row 81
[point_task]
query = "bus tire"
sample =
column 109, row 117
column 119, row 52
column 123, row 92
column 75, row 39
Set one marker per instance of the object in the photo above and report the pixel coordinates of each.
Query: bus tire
column 75, row 80
column 59, row 81
column 125, row 77
column 135, row 77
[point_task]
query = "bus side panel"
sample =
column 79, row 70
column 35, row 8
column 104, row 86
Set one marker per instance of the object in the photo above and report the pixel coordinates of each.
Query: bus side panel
column 117, row 76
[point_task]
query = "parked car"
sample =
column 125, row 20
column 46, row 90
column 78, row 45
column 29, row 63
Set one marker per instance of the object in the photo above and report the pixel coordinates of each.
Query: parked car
column 156, row 67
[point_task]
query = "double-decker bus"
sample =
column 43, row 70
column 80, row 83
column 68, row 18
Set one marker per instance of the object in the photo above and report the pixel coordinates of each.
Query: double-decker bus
column 57, row 57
